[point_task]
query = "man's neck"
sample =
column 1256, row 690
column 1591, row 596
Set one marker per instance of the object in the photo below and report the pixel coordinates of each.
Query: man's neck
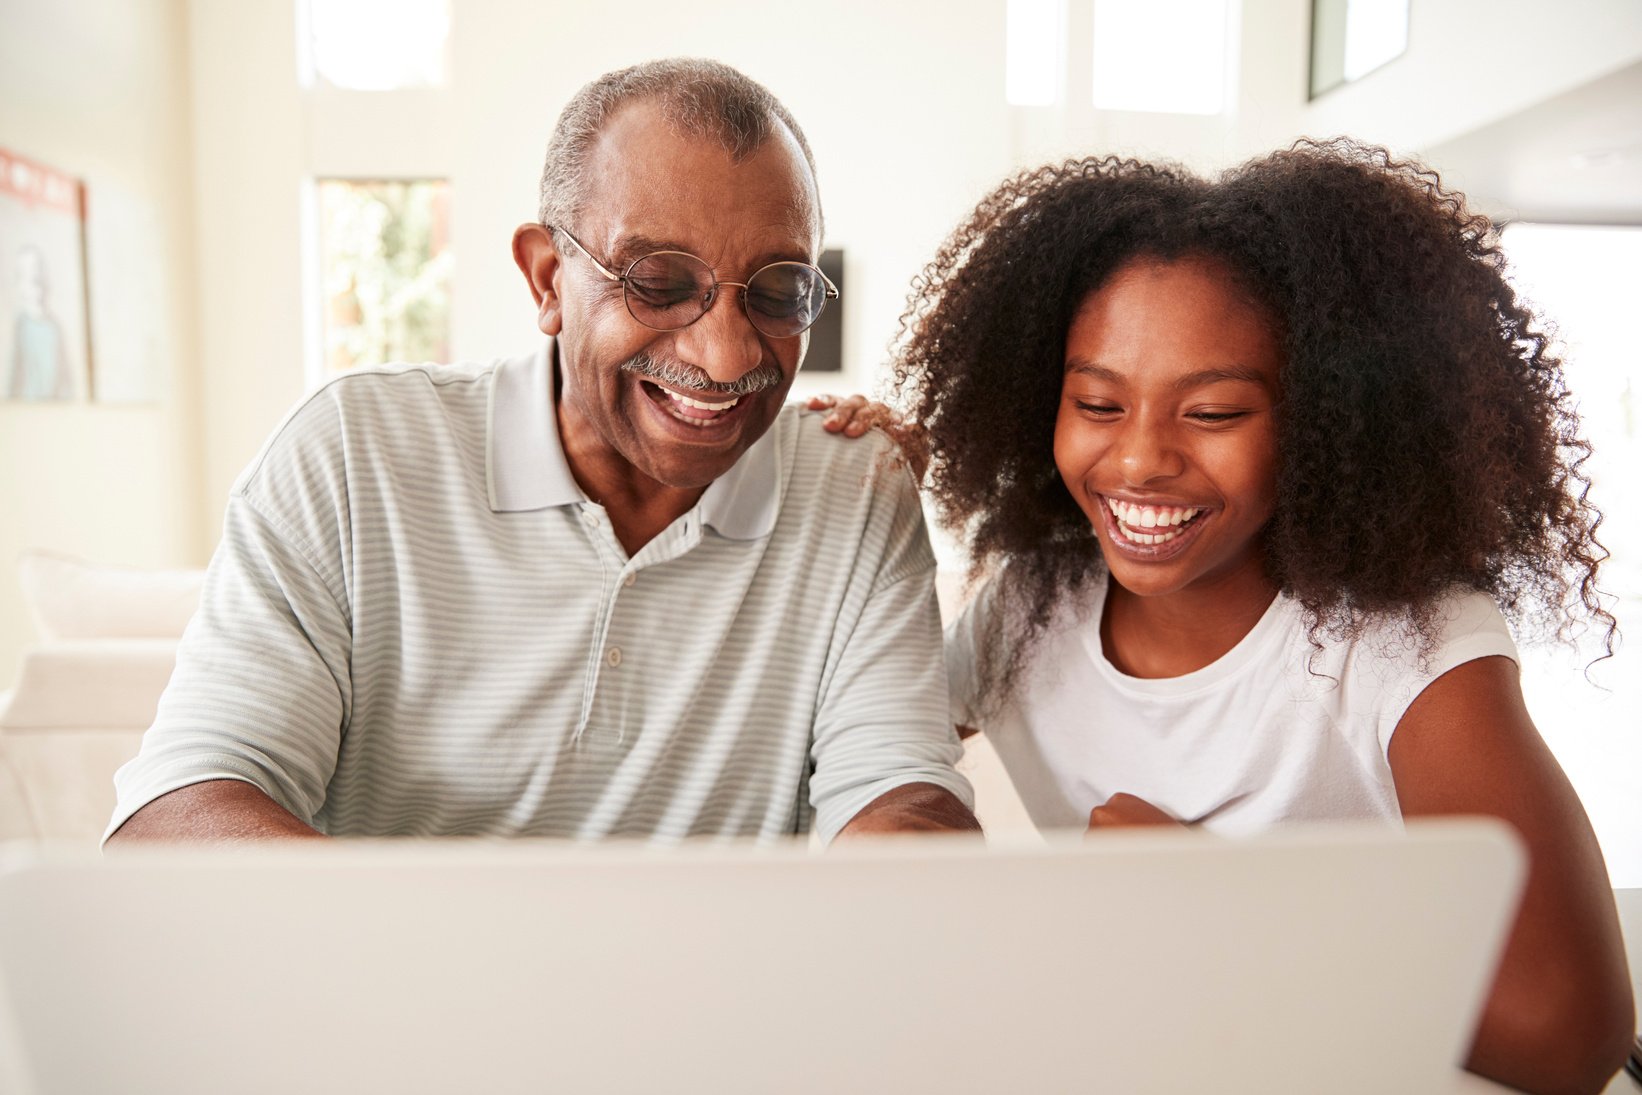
column 639, row 514
column 639, row 507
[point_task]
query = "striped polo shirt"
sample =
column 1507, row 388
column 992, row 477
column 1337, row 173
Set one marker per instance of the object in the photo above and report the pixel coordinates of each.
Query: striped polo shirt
column 417, row 624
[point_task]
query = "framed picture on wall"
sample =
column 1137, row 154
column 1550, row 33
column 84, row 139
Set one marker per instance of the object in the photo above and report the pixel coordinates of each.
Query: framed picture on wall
column 826, row 353
column 45, row 351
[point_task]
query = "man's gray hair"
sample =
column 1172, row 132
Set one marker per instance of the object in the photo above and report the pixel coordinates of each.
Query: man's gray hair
column 698, row 98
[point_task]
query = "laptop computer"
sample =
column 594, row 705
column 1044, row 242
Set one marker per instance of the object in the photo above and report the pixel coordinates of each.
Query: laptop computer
column 1337, row 959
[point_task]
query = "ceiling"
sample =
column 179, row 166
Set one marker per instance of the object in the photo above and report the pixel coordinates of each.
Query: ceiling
column 1575, row 158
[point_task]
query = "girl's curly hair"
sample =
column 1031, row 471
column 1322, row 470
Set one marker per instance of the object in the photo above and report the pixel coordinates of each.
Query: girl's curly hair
column 1426, row 438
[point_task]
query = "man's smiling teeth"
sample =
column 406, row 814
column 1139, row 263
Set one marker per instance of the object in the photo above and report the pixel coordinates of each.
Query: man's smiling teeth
column 1132, row 518
column 688, row 402
column 696, row 412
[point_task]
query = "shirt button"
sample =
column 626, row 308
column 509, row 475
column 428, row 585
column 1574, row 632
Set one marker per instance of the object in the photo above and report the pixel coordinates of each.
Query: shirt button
column 614, row 657
column 630, row 579
column 590, row 517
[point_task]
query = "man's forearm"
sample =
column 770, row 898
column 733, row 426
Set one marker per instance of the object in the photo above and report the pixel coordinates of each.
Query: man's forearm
column 913, row 808
column 217, row 811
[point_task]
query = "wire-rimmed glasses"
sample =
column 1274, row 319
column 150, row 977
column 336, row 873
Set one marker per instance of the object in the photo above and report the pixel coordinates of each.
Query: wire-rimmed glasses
column 669, row 290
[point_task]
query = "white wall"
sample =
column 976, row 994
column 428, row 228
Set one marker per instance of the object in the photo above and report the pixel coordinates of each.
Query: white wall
column 99, row 89
column 250, row 151
column 1468, row 63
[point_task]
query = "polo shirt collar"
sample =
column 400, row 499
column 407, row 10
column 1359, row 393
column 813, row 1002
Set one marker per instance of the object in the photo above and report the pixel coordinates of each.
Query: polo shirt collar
column 526, row 469
column 525, row 465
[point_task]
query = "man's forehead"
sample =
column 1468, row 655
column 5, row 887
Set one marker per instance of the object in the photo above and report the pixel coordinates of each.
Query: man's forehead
column 652, row 181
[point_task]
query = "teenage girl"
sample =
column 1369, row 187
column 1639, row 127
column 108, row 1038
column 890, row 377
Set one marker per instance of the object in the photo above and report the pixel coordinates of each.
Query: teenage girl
column 1257, row 470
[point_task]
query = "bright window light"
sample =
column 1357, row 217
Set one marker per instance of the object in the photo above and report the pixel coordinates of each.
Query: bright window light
column 379, row 45
column 1160, row 56
column 1376, row 31
column 1035, row 46
column 1582, row 279
column 384, row 267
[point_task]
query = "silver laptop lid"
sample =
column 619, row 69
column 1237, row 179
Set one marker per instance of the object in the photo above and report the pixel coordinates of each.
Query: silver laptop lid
column 1338, row 959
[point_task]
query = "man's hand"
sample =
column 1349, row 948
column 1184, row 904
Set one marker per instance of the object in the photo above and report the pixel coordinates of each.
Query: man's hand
column 913, row 808
column 1123, row 811
column 854, row 415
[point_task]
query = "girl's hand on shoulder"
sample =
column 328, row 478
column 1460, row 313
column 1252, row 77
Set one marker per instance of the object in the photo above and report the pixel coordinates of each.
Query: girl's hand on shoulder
column 854, row 415
column 1124, row 811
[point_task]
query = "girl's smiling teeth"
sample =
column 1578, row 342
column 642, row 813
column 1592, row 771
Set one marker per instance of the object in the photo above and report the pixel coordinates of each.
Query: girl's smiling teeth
column 1166, row 520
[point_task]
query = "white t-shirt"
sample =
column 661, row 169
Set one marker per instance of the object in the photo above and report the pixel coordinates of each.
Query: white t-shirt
column 1273, row 731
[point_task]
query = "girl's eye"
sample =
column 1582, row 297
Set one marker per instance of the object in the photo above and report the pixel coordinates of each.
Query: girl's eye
column 1216, row 416
column 1095, row 408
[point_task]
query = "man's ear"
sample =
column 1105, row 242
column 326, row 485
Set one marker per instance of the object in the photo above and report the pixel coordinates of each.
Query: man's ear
column 538, row 259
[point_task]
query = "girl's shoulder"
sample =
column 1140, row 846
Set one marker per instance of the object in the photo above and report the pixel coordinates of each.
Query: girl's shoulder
column 1462, row 625
column 985, row 621
column 988, row 610
column 1379, row 671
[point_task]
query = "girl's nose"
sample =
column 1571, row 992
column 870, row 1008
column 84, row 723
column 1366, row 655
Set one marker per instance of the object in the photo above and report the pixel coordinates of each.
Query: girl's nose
column 1146, row 452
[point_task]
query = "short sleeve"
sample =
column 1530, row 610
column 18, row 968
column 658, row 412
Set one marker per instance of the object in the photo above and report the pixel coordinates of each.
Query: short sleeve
column 1471, row 626
column 881, row 721
column 963, row 643
column 262, row 688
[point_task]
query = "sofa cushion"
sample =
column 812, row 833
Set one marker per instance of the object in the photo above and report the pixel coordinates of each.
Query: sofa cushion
column 102, row 684
column 71, row 599
column 66, row 781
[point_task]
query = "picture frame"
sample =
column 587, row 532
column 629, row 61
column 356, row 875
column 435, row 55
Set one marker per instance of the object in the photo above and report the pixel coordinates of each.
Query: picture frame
column 45, row 355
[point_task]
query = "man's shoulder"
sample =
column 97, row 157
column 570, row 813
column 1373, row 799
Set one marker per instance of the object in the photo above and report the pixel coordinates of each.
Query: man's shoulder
column 397, row 382
column 822, row 461
column 380, row 406
column 848, row 498
column 398, row 386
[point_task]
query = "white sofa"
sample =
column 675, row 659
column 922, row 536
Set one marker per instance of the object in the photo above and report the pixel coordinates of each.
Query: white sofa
column 87, row 691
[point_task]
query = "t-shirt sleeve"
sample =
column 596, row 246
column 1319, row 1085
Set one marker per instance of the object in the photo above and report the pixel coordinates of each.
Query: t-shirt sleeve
column 1471, row 627
column 881, row 721
column 963, row 647
column 262, row 690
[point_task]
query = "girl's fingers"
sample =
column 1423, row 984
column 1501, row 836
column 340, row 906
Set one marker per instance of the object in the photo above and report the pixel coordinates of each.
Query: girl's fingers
column 845, row 412
column 853, row 415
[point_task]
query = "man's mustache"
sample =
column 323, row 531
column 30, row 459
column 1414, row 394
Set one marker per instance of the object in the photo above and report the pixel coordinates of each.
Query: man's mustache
column 688, row 378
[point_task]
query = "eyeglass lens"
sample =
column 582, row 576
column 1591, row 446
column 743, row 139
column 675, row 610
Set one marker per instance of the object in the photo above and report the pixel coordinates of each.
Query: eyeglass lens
column 670, row 290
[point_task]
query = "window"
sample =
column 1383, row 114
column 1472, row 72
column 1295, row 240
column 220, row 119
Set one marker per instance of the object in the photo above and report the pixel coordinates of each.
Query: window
column 1035, row 51
column 1582, row 278
column 374, row 45
column 1351, row 38
column 384, row 266
column 1161, row 56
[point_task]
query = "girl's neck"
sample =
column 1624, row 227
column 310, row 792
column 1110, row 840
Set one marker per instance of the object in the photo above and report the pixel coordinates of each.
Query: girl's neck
column 1181, row 632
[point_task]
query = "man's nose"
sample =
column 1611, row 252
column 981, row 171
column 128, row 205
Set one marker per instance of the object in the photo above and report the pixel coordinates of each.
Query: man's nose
column 722, row 343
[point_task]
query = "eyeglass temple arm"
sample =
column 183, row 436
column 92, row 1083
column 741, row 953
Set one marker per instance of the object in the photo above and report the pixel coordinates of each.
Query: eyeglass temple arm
column 602, row 268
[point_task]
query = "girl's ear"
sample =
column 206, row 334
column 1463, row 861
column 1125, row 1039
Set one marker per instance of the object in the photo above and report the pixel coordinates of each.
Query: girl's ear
column 537, row 257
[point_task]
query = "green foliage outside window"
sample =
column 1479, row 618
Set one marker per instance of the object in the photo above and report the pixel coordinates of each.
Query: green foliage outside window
column 386, row 263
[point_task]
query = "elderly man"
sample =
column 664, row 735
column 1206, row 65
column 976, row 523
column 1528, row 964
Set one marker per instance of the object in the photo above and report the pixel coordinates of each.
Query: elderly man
column 611, row 589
